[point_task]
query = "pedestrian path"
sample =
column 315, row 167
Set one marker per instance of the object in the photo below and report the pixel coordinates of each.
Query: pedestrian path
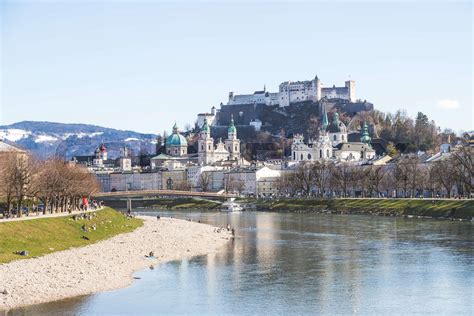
column 40, row 215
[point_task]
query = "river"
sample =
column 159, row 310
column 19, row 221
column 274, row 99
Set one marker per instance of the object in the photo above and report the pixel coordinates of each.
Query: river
column 287, row 263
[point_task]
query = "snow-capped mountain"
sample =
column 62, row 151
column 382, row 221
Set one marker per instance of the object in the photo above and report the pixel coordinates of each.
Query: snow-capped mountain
column 47, row 139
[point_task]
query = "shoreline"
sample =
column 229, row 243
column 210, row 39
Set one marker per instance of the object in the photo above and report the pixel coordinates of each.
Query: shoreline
column 105, row 265
column 442, row 209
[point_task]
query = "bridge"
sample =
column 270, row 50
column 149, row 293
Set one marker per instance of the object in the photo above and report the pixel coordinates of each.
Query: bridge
column 152, row 193
column 120, row 197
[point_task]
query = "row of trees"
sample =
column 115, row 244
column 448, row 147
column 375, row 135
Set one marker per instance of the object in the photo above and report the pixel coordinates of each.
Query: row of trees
column 25, row 181
column 407, row 177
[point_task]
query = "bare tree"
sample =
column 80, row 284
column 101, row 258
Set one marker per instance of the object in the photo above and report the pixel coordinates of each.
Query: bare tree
column 342, row 177
column 205, row 180
column 234, row 184
column 375, row 177
column 461, row 160
column 444, row 175
column 321, row 176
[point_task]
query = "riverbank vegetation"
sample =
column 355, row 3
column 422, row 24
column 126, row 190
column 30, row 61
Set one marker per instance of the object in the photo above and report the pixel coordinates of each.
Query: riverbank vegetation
column 56, row 185
column 463, row 209
column 46, row 235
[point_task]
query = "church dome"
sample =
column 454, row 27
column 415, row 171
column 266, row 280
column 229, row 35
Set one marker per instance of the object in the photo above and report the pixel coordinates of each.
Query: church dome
column 176, row 139
column 337, row 126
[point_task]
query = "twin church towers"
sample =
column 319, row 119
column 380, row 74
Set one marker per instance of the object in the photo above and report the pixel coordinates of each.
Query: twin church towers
column 209, row 153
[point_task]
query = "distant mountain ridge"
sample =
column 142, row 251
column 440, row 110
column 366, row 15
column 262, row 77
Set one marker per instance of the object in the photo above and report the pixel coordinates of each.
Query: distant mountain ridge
column 46, row 139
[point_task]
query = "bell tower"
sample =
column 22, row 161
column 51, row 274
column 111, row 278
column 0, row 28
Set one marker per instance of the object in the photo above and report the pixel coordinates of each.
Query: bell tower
column 232, row 143
column 205, row 144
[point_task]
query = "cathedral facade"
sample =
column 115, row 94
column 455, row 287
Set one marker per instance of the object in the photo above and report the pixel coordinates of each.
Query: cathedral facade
column 209, row 153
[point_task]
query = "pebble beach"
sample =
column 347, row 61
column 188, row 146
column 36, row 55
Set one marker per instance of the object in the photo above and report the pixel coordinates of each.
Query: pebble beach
column 105, row 265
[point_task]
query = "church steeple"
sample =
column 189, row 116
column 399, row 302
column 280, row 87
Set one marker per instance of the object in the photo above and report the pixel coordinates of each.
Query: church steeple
column 205, row 130
column 365, row 137
column 324, row 119
column 175, row 128
column 232, row 143
column 205, row 126
column 231, row 128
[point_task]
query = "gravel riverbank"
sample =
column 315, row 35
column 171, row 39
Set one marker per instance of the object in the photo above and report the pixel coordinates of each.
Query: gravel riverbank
column 105, row 265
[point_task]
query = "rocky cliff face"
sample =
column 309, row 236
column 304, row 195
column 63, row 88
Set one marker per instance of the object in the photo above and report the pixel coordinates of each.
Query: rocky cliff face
column 296, row 118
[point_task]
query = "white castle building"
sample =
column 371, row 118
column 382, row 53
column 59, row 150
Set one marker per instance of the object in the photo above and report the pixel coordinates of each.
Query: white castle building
column 208, row 153
column 291, row 92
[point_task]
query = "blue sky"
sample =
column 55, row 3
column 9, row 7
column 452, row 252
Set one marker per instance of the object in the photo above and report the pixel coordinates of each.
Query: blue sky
column 143, row 65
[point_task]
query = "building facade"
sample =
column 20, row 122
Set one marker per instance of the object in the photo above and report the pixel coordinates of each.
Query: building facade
column 208, row 153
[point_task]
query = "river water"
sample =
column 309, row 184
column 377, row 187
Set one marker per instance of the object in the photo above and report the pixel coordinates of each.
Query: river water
column 287, row 263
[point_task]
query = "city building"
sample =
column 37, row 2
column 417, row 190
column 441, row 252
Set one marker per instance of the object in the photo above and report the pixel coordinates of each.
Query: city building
column 8, row 149
column 258, row 181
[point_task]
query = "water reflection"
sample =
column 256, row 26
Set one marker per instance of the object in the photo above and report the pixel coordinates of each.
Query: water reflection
column 283, row 263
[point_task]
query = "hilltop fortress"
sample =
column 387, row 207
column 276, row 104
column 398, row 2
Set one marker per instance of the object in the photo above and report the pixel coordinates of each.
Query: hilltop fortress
column 290, row 92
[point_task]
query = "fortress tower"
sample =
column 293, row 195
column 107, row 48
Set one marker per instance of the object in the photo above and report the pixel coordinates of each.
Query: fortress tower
column 317, row 88
column 350, row 85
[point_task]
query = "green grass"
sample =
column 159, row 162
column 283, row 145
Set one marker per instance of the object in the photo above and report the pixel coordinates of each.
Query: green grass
column 43, row 236
column 426, row 207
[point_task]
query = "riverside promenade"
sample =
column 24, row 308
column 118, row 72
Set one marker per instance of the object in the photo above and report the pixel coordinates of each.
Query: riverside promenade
column 49, row 215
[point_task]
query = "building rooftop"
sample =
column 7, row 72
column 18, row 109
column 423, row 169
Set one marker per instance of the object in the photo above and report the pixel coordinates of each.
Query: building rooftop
column 5, row 147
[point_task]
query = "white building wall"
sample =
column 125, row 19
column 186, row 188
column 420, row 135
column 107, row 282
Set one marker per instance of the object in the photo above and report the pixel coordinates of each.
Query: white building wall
column 202, row 116
column 290, row 92
column 135, row 181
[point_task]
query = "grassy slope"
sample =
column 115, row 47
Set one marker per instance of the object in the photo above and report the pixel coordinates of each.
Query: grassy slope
column 43, row 236
column 438, row 208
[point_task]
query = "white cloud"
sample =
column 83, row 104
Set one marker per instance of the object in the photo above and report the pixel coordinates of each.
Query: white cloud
column 448, row 104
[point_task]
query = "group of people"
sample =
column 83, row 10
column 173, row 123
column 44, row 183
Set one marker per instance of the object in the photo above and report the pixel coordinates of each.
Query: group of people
column 93, row 205
column 228, row 228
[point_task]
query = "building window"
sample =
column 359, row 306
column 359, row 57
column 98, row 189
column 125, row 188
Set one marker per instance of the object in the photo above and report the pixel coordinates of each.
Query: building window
column 301, row 156
column 294, row 156
column 327, row 153
column 342, row 137
column 320, row 153
column 309, row 156
column 334, row 137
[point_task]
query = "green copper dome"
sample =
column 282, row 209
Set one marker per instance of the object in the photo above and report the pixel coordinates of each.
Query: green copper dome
column 335, row 125
column 232, row 128
column 365, row 137
column 176, row 139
